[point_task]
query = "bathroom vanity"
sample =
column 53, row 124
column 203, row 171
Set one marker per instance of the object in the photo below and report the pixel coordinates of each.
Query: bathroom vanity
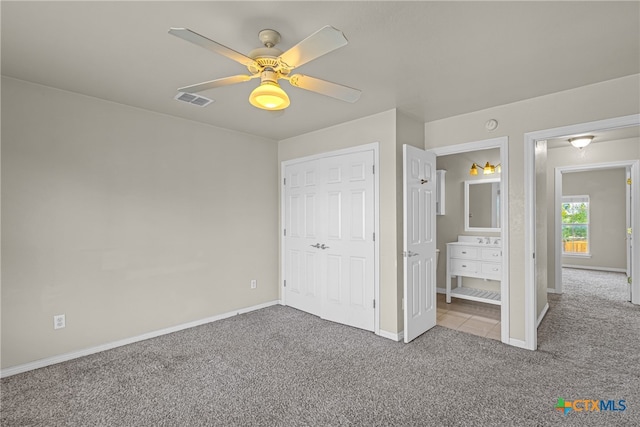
column 478, row 257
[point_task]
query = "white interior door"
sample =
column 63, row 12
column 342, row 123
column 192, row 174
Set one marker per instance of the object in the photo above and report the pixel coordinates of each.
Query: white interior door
column 348, row 253
column 419, row 205
column 303, row 197
column 329, row 247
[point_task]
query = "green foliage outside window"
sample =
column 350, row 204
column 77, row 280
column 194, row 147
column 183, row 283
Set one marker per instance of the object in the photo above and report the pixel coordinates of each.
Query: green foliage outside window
column 575, row 226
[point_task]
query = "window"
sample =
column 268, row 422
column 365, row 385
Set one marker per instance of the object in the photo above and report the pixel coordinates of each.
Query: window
column 575, row 225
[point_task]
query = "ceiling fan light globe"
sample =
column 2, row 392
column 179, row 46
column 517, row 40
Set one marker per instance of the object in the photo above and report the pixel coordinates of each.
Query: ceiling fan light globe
column 269, row 96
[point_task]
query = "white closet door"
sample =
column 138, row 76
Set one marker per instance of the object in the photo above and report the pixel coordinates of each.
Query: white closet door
column 303, row 197
column 329, row 247
column 348, row 293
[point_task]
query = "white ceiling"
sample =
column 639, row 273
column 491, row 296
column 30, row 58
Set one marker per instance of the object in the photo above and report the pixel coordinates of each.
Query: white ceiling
column 428, row 59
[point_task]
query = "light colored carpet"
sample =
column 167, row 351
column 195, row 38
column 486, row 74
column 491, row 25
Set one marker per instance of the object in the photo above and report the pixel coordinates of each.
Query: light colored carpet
column 282, row 367
column 603, row 285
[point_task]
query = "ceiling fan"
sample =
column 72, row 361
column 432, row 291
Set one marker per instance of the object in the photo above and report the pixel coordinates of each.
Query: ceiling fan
column 270, row 64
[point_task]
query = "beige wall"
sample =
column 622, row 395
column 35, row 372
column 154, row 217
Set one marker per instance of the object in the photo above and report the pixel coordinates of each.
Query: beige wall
column 126, row 221
column 603, row 100
column 603, row 152
column 410, row 132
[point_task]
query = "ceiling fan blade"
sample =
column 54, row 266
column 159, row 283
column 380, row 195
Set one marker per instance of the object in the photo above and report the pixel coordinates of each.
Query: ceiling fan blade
column 317, row 44
column 324, row 87
column 215, row 83
column 195, row 38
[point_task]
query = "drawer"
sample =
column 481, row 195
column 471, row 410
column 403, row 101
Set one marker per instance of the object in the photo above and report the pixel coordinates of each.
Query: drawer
column 491, row 269
column 461, row 266
column 465, row 252
column 491, row 255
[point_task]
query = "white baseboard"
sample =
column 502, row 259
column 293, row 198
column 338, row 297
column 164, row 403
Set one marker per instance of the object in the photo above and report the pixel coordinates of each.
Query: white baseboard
column 587, row 267
column 544, row 313
column 13, row 370
column 553, row 291
column 392, row 336
column 441, row 290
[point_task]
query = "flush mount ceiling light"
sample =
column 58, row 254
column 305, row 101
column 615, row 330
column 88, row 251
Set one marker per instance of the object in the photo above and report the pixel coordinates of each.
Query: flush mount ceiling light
column 488, row 169
column 271, row 64
column 581, row 141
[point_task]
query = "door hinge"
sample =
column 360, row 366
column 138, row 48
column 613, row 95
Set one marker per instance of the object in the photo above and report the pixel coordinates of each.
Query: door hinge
column 285, row 283
column 629, row 279
column 374, row 303
column 629, row 181
column 285, row 181
column 373, row 168
column 285, row 231
column 374, row 237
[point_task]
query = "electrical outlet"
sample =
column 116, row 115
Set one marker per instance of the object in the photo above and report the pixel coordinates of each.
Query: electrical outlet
column 254, row 284
column 58, row 321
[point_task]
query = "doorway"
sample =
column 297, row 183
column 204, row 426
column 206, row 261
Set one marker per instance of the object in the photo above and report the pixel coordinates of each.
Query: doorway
column 533, row 311
column 502, row 145
column 601, row 241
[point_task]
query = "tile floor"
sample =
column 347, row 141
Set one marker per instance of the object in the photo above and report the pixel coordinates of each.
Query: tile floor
column 469, row 316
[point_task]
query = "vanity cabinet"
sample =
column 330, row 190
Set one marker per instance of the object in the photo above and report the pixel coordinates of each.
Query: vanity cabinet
column 482, row 261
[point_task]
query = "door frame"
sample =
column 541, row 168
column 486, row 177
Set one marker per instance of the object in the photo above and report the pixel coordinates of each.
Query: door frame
column 530, row 140
column 628, row 165
column 375, row 147
column 503, row 144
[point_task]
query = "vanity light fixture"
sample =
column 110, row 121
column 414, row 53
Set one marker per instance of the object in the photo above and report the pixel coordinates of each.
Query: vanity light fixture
column 488, row 169
column 581, row 141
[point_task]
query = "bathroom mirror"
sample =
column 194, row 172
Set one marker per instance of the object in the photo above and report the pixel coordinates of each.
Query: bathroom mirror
column 482, row 205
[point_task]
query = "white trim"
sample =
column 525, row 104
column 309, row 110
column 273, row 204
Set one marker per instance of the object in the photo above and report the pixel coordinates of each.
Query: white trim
column 18, row 369
column 587, row 267
column 373, row 146
column 552, row 291
column 441, row 290
column 503, row 144
column 518, row 343
column 392, row 336
column 530, row 139
column 586, row 255
column 541, row 316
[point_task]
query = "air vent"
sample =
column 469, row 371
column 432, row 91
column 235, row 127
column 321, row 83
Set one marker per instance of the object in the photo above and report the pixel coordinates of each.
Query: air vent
column 200, row 101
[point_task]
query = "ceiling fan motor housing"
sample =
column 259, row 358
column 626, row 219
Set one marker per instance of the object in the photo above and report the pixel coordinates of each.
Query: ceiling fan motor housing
column 269, row 37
